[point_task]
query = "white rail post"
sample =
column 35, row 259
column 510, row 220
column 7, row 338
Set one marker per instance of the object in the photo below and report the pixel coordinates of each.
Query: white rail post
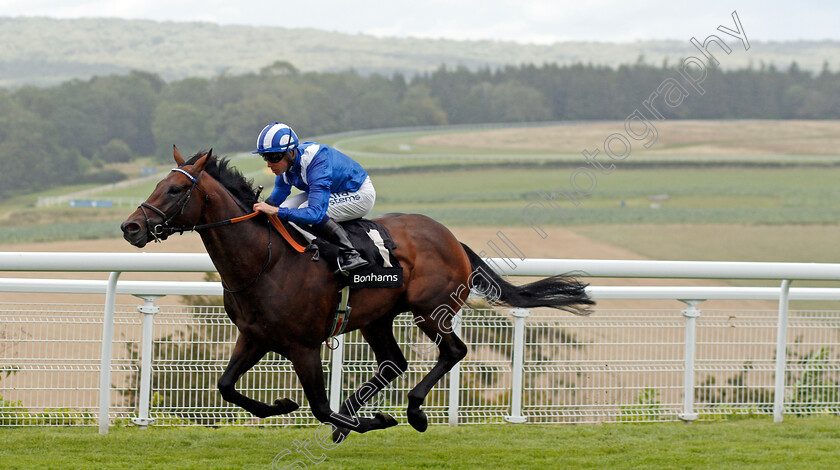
column 337, row 374
column 455, row 376
column 148, row 309
column 107, row 351
column 781, row 353
column 519, row 315
column 690, row 313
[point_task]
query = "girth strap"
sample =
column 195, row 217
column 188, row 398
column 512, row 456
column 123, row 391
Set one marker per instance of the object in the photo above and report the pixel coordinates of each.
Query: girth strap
column 342, row 313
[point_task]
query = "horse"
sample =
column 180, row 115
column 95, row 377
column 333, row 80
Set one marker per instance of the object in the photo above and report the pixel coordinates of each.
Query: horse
column 282, row 301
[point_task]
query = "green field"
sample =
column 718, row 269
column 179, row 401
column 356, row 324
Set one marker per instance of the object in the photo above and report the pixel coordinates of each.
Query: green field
column 753, row 443
column 497, row 197
column 694, row 195
column 768, row 211
column 409, row 149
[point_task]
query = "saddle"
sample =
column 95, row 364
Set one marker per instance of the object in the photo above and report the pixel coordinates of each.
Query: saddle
column 373, row 241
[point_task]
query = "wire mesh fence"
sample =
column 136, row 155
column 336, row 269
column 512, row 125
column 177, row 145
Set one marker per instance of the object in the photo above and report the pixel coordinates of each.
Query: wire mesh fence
column 613, row 366
column 50, row 363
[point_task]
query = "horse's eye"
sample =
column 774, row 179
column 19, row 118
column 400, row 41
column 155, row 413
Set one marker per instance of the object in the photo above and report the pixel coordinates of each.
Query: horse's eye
column 175, row 189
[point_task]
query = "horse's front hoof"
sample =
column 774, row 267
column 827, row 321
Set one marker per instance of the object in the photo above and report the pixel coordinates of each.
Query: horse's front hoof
column 339, row 434
column 417, row 419
column 385, row 420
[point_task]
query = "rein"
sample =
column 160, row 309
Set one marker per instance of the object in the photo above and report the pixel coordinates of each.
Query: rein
column 166, row 229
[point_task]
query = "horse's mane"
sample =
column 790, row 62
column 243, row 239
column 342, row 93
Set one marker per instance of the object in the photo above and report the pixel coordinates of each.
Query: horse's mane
column 232, row 179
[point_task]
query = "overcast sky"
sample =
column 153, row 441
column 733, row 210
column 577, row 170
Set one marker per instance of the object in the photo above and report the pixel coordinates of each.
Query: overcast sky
column 527, row 21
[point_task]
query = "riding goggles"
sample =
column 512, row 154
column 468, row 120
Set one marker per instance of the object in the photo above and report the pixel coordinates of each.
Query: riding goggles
column 272, row 157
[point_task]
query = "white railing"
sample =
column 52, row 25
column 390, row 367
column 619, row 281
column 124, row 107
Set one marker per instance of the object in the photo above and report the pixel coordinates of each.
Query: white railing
column 116, row 263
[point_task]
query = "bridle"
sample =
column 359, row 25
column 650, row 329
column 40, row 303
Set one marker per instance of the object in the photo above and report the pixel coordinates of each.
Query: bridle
column 165, row 228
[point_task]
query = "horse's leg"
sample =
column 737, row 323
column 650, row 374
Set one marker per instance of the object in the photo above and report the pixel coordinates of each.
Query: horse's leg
column 452, row 350
column 245, row 355
column 391, row 365
column 307, row 363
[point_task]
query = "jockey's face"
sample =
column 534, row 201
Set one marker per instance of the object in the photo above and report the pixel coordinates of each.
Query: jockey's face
column 283, row 165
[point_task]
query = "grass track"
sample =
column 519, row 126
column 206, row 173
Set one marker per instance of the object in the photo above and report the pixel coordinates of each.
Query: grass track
column 749, row 443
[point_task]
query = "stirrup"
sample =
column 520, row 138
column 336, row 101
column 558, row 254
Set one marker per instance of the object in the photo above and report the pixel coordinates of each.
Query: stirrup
column 358, row 263
column 316, row 253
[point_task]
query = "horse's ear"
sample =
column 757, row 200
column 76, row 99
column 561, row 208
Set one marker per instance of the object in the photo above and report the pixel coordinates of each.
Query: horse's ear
column 178, row 158
column 199, row 165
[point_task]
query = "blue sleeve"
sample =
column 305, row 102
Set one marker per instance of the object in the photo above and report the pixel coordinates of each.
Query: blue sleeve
column 319, row 174
column 280, row 192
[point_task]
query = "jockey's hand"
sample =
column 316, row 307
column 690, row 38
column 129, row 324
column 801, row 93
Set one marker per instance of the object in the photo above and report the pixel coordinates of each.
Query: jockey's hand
column 265, row 208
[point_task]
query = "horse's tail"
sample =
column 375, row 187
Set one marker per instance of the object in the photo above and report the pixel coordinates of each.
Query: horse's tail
column 562, row 292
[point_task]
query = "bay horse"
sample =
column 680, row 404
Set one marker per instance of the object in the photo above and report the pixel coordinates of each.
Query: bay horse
column 282, row 301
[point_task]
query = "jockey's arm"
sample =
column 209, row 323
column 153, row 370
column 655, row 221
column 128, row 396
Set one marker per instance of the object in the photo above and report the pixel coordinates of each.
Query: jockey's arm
column 319, row 174
column 281, row 191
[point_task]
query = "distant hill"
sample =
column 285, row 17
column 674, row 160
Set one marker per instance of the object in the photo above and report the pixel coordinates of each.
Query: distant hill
column 43, row 52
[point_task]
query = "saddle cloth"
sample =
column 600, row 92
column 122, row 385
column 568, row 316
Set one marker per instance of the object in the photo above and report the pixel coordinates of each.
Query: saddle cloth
column 374, row 243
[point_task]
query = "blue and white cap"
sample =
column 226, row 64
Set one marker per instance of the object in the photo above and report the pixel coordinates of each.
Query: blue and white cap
column 276, row 137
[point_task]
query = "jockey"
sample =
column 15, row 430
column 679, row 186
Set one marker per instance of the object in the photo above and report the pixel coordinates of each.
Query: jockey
column 335, row 189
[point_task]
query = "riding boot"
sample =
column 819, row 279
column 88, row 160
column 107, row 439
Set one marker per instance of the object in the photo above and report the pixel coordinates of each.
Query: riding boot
column 349, row 258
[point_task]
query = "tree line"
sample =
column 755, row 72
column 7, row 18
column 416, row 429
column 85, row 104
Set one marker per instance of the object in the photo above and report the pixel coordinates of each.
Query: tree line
column 68, row 133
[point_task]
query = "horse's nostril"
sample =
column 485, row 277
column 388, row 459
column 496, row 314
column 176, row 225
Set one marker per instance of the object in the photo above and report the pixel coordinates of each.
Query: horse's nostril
column 130, row 227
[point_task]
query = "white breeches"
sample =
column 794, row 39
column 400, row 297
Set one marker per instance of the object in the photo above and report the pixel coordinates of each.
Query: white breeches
column 342, row 207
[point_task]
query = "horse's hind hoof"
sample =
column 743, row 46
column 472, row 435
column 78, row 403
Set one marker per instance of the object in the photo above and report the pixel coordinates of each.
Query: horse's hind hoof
column 285, row 405
column 385, row 420
column 339, row 434
column 417, row 419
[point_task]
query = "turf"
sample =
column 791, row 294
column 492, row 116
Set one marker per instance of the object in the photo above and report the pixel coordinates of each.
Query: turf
column 750, row 443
